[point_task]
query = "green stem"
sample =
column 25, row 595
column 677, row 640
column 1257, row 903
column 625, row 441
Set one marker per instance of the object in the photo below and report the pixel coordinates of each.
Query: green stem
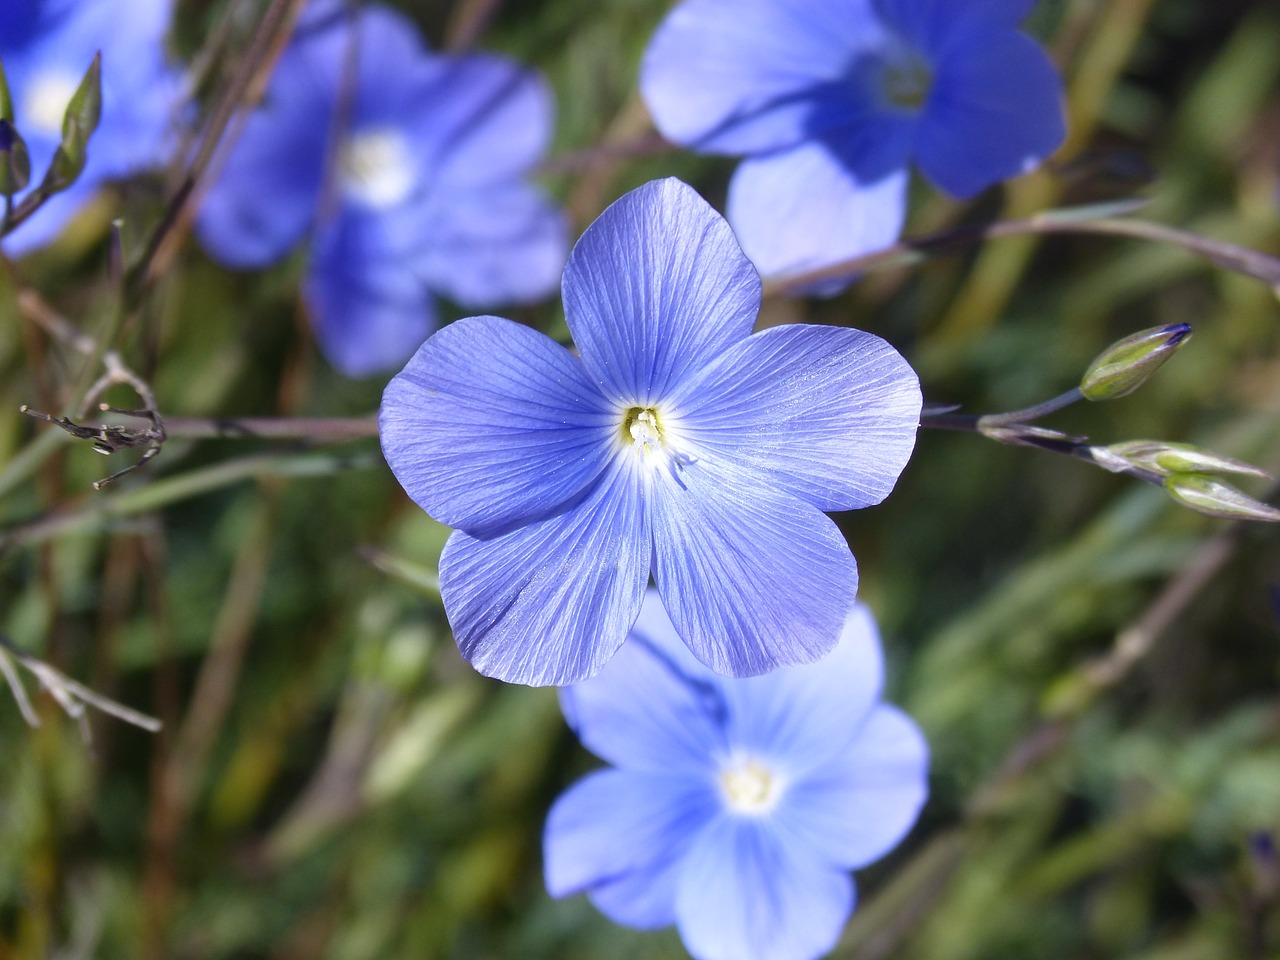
column 101, row 511
column 1028, row 414
column 1228, row 256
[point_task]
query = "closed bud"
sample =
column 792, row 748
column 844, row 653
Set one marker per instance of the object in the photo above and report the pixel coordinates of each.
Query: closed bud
column 1215, row 498
column 80, row 120
column 1129, row 363
column 6, row 98
column 15, row 163
column 1166, row 458
column 84, row 110
column 65, row 167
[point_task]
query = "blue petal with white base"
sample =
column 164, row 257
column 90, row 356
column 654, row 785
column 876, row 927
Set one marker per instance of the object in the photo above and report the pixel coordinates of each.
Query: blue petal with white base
column 403, row 171
column 774, row 788
column 680, row 444
column 831, row 103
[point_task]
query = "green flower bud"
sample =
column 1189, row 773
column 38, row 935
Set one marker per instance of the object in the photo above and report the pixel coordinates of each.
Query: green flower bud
column 15, row 163
column 1129, row 363
column 78, row 123
column 84, row 110
column 6, row 99
column 1164, row 459
column 1211, row 496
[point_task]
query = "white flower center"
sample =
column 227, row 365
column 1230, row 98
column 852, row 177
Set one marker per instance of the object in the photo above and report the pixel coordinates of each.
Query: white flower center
column 641, row 424
column 375, row 167
column 905, row 81
column 46, row 102
column 750, row 787
column 653, row 439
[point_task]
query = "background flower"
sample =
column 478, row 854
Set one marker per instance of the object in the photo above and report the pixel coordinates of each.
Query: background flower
column 734, row 809
column 677, row 441
column 831, row 100
column 46, row 46
column 420, row 190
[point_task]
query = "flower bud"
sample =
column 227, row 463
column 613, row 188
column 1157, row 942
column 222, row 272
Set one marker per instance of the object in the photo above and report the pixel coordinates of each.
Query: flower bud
column 78, row 123
column 6, row 99
column 15, row 163
column 84, row 110
column 1164, row 459
column 1211, row 496
column 1129, row 363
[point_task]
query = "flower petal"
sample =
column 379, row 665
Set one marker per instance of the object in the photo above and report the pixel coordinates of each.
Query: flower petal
column 502, row 243
column 753, row 579
column 370, row 311
column 801, row 717
column 268, row 187
column 995, row 111
column 493, row 424
column 828, row 414
column 488, row 120
column 551, row 602
column 805, row 208
column 744, row 892
column 653, row 707
column 745, row 76
column 859, row 805
column 928, row 23
column 619, row 836
column 656, row 287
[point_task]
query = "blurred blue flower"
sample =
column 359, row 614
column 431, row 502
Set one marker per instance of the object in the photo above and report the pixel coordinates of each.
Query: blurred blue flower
column 831, row 100
column 678, row 442
column 46, row 47
column 736, row 807
column 404, row 170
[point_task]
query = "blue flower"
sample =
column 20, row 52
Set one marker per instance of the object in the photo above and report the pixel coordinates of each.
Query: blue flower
column 421, row 189
column 831, row 100
column 46, row 46
column 678, row 443
column 735, row 808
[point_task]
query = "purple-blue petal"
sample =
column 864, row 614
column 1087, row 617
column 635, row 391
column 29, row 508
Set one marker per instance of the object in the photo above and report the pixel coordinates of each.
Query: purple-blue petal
column 744, row 77
column 369, row 312
column 804, row 716
column 752, row 578
column 655, row 288
column 483, row 120
column 860, row 803
column 500, row 243
column 492, row 424
column 995, row 111
column 653, row 707
column 828, row 414
column 805, row 208
column 268, row 188
column 928, row 24
column 619, row 836
column 745, row 892
column 550, row 602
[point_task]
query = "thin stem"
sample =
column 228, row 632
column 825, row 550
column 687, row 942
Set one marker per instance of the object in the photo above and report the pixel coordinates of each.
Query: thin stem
column 273, row 428
column 104, row 510
column 1028, row 414
column 268, row 43
column 1252, row 263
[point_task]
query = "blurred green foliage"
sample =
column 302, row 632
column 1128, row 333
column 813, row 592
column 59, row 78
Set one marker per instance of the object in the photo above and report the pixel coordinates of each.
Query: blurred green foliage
column 1095, row 668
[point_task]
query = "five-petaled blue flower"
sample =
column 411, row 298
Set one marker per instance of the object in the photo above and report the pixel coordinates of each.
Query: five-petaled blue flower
column 678, row 443
column 405, row 171
column 830, row 100
column 46, row 46
column 736, row 808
